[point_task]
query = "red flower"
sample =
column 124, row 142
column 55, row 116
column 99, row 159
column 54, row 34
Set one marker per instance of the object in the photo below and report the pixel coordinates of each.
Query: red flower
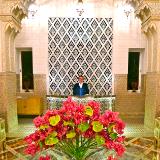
column 32, row 137
column 119, row 126
column 89, row 133
column 42, row 135
column 38, row 121
column 49, row 114
column 119, row 149
column 120, row 139
column 73, row 123
column 32, row 149
column 45, row 158
column 96, row 108
column 111, row 158
column 28, row 139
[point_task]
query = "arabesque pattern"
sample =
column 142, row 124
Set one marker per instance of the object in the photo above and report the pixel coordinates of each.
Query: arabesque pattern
column 80, row 46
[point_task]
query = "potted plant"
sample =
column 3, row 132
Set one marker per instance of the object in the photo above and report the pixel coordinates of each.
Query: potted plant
column 134, row 85
column 27, row 81
column 77, row 131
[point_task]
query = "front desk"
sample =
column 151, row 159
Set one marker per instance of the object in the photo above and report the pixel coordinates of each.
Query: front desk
column 107, row 102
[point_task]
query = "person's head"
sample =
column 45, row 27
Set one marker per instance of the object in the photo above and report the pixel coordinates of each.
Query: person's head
column 80, row 79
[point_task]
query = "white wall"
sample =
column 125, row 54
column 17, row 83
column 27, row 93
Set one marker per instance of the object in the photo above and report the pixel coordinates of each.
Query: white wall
column 127, row 31
column 127, row 34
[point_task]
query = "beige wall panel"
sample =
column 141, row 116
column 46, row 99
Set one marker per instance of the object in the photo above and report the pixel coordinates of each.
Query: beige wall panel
column 127, row 102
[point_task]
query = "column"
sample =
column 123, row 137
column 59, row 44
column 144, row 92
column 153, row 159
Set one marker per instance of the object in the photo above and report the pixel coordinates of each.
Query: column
column 11, row 14
column 149, row 14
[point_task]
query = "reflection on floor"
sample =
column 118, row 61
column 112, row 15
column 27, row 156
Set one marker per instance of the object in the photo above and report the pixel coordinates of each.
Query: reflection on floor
column 139, row 142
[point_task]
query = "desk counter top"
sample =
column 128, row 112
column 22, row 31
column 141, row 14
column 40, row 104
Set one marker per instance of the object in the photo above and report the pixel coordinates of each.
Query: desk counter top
column 106, row 102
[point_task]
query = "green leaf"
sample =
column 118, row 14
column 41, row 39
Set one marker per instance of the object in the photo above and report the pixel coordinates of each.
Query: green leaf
column 83, row 127
column 43, row 127
column 71, row 134
column 40, row 144
column 54, row 134
column 100, row 140
column 68, row 123
column 54, row 120
column 113, row 136
column 51, row 140
column 110, row 128
column 97, row 126
column 88, row 111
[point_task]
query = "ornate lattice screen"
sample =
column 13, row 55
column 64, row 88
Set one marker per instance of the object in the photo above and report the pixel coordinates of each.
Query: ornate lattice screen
column 80, row 46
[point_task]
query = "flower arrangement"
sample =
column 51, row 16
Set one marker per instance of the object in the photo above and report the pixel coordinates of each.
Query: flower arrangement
column 77, row 130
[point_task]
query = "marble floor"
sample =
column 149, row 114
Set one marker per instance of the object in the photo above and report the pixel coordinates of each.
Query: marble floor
column 139, row 142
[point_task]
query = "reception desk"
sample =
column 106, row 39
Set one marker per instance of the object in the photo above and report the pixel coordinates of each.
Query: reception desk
column 107, row 102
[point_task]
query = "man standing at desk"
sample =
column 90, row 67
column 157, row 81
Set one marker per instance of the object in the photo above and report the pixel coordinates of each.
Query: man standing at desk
column 81, row 88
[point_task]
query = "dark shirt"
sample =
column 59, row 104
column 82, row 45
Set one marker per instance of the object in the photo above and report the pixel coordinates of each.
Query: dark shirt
column 77, row 91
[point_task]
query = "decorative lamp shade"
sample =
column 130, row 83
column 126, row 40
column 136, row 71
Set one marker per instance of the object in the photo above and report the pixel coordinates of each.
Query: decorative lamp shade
column 80, row 9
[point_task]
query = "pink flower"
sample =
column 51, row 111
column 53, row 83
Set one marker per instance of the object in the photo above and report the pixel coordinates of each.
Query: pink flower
column 62, row 131
column 45, row 158
column 32, row 137
column 28, row 139
column 32, row 149
column 38, row 121
column 111, row 158
column 111, row 116
column 71, row 115
column 120, row 139
column 49, row 114
column 95, row 106
column 109, row 144
column 78, row 118
column 69, row 105
column 119, row 149
column 104, row 120
column 119, row 126
column 42, row 135
column 89, row 133
column 50, row 130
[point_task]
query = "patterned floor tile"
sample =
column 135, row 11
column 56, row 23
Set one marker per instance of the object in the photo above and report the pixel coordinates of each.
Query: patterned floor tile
column 138, row 146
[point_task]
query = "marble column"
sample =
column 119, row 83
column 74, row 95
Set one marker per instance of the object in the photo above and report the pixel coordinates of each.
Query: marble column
column 11, row 14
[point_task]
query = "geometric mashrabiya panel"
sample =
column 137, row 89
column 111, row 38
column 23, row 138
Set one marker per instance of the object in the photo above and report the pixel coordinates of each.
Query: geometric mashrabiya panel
column 80, row 46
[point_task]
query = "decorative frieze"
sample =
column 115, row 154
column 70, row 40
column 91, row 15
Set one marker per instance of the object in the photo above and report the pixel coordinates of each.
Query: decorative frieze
column 15, row 9
column 148, row 11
